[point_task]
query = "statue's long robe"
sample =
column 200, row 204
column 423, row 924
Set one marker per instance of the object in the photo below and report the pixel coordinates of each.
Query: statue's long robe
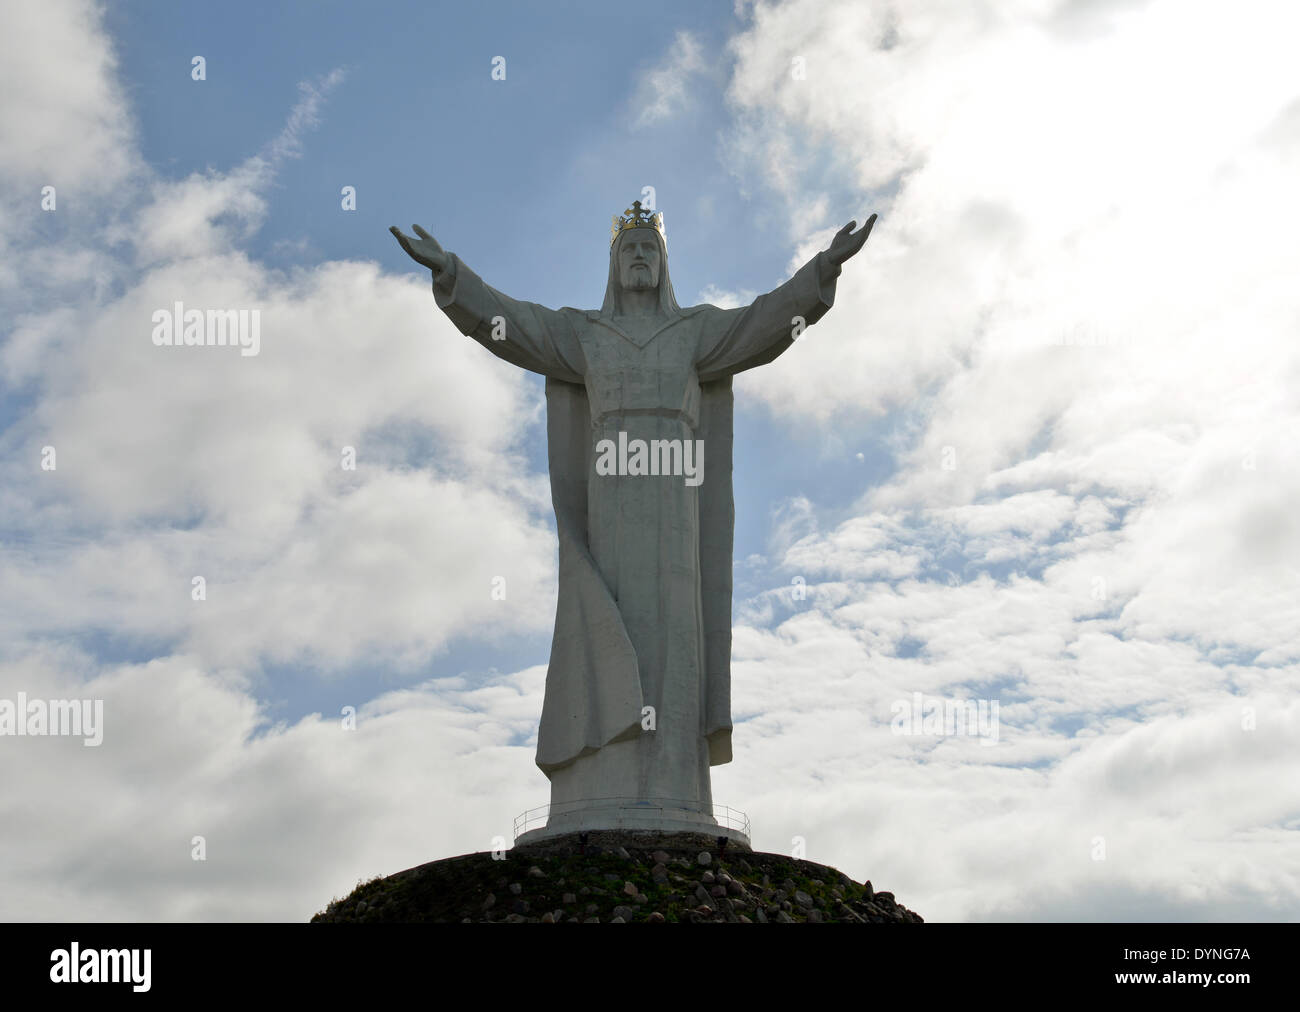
column 644, row 610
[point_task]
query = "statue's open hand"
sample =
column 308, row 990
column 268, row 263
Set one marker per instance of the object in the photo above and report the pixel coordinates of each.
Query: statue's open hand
column 424, row 250
column 847, row 242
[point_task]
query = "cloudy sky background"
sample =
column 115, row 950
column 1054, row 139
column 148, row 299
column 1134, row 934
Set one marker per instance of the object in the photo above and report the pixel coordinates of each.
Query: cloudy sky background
column 1043, row 451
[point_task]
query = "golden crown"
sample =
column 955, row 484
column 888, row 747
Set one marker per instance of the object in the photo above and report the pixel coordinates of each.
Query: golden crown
column 637, row 216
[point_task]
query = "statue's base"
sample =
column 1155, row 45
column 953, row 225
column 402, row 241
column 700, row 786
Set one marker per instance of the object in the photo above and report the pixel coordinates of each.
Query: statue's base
column 679, row 844
column 618, row 815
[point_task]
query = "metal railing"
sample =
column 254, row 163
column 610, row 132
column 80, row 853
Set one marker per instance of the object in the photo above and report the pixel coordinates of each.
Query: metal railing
column 601, row 810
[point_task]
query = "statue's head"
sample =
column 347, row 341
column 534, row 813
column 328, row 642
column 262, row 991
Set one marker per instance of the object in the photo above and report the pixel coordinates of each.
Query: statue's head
column 638, row 260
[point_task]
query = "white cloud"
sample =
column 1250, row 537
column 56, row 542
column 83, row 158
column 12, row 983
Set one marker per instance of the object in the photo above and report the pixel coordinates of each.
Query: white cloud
column 291, row 814
column 64, row 121
column 724, row 299
column 665, row 90
column 1080, row 308
column 176, row 462
column 1078, row 284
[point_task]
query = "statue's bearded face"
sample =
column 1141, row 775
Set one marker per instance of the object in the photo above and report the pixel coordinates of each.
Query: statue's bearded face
column 638, row 259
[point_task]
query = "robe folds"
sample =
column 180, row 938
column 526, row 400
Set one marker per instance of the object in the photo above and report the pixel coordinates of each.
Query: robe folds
column 643, row 617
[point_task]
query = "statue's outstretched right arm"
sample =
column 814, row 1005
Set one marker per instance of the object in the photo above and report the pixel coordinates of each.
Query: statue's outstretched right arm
column 525, row 334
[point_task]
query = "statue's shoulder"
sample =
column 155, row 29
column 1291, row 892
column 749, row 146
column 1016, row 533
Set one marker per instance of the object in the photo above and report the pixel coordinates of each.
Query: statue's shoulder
column 705, row 308
column 596, row 314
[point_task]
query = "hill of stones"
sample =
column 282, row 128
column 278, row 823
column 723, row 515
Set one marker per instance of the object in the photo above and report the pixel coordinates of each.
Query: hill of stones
column 668, row 878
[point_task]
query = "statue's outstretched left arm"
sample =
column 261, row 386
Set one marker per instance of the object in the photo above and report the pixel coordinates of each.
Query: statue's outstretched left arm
column 759, row 332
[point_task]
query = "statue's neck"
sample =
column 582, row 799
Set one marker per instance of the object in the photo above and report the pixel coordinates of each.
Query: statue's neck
column 640, row 302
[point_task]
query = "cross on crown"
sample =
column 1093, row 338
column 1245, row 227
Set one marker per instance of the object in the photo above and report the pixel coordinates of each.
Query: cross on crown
column 637, row 216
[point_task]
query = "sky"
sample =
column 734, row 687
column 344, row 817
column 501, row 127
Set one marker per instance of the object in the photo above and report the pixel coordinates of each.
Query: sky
column 1040, row 456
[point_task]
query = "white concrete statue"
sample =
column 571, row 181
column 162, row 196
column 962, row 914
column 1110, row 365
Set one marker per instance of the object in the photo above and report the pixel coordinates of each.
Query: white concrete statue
column 638, row 692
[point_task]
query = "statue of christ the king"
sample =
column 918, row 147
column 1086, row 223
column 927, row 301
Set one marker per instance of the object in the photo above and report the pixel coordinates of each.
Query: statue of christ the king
column 638, row 691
